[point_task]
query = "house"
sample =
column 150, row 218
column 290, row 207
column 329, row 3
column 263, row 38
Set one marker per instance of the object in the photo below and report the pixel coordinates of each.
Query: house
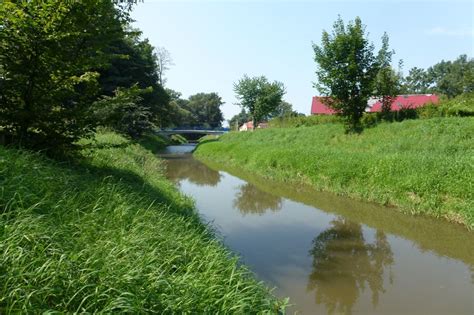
column 406, row 102
column 319, row 108
column 374, row 104
column 249, row 126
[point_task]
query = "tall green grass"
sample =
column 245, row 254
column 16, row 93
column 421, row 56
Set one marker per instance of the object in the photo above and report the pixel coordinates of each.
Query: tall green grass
column 110, row 234
column 421, row 166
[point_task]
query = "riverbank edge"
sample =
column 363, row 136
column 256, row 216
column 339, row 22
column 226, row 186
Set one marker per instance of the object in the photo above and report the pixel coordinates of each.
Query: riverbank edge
column 418, row 229
column 122, row 234
column 223, row 151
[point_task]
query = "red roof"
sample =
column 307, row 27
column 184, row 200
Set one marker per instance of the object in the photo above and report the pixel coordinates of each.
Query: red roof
column 408, row 101
column 401, row 101
column 318, row 107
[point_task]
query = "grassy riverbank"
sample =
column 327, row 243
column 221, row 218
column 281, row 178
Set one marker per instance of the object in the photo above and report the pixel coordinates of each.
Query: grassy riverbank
column 111, row 234
column 420, row 166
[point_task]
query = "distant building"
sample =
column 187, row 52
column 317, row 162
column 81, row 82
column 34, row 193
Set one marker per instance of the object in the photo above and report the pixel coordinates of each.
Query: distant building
column 249, row 126
column 375, row 105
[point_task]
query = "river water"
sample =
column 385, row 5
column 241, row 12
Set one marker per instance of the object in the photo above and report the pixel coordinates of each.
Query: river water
column 331, row 255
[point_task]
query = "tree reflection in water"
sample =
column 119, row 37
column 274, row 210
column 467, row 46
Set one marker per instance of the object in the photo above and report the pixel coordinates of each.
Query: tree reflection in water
column 196, row 172
column 251, row 200
column 343, row 264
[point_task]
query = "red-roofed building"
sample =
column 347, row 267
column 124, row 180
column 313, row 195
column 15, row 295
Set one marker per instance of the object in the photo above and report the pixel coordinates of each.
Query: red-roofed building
column 407, row 101
column 319, row 108
column 374, row 105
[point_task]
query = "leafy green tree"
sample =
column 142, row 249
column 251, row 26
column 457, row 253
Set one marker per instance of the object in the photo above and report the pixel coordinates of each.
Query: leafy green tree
column 387, row 81
column 124, row 111
column 258, row 96
column 417, row 81
column 284, row 109
column 135, row 63
column 49, row 51
column 238, row 120
column 205, row 109
column 346, row 70
column 180, row 115
column 453, row 78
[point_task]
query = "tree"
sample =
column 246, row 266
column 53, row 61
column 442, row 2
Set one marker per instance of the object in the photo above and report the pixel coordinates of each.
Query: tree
column 135, row 63
column 164, row 61
column 205, row 109
column 387, row 82
column 238, row 120
column 124, row 111
column 284, row 109
column 453, row 78
column 258, row 96
column 50, row 52
column 346, row 70
column 417, row 81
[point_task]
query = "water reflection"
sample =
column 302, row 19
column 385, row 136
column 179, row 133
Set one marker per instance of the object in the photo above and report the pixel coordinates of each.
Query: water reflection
column 365, row 259
column 344, row 264
column 179, row 168
column 251, row 200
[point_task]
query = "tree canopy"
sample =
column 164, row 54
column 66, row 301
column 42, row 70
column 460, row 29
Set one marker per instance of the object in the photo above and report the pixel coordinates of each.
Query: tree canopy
column 201, row 110
column 450, row 78
column 50, row 52
column 259, row 96
column 347, row 68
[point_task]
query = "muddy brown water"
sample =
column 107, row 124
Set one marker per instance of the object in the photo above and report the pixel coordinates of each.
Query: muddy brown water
column 331, row 255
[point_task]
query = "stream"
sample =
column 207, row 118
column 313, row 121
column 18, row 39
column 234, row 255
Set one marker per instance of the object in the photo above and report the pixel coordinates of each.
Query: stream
column 330, row 254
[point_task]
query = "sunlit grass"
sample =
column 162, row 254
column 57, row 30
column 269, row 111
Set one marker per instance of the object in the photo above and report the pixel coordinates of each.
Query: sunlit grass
column 111, row 234
column 421, row 166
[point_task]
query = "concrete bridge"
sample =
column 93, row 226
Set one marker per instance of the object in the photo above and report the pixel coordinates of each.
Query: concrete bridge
column 191, row 134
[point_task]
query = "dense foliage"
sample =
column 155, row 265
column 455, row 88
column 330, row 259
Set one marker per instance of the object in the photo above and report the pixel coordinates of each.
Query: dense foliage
column 49, row 54
column 421, row 166
column 450, row 78
column 258, row 96
column 202, row 110
column 135, row 65
column 347, row 68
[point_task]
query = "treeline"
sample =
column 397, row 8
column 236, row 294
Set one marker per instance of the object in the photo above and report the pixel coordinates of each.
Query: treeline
column 200, row 110
column 449, row 78
column 67, row 67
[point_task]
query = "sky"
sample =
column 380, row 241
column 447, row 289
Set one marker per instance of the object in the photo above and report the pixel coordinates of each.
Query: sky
column 214, row 43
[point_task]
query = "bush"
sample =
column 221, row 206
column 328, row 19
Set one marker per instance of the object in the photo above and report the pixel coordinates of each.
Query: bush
column 178, row 139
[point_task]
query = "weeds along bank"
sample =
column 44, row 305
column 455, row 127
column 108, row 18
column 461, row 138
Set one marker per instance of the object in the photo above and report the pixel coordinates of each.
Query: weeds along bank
column 421, row 166
column 111, row 234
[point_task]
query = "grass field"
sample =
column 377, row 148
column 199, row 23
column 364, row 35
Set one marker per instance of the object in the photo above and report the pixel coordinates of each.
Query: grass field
column 110, row 234
column 420, row 166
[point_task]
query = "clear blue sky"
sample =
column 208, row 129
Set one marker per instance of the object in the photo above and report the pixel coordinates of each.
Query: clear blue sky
column 214, row 43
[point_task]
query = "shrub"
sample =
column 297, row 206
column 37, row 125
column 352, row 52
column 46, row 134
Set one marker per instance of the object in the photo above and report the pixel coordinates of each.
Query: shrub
column 178, row 139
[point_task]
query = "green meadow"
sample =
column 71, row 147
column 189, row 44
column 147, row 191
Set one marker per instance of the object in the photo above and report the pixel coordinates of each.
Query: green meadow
column 422, row 166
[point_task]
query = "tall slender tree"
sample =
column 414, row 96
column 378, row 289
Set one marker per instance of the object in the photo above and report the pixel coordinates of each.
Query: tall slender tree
column 347, row 68
column 387, row 81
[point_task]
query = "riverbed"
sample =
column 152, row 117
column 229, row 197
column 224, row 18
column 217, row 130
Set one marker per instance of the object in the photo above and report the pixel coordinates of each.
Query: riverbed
column 329, row 254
